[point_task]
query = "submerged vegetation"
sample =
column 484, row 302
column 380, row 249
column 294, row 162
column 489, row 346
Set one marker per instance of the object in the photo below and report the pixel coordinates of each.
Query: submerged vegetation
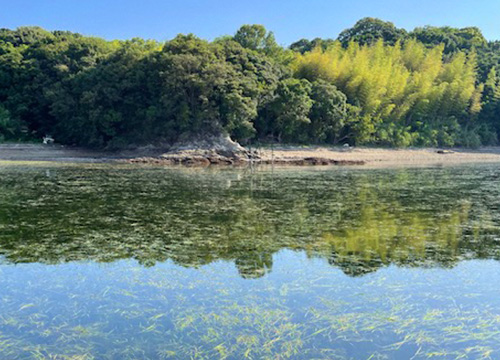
column 375, row 84
column 113, row 262
column 101, row 214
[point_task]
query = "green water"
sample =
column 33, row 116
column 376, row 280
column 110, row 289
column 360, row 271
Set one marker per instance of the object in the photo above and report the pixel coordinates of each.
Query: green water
column 111, row 262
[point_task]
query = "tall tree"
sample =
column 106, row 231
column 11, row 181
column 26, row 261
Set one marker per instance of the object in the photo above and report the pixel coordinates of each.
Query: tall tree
column 328, row 113
column 288, row 111
column 256, row 37
column 368, row 30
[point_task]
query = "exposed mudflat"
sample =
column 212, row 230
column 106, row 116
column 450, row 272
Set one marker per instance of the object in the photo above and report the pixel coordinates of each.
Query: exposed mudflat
column 389, row 157
column 278, row 156
column 38, row 152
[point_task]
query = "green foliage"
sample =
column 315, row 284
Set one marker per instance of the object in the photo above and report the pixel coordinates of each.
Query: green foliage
column 302, row 46
column 188, row 88
column 103, row 104
column 288, row 112
column 488, row 58
column 26, row 35
column 376, row 85
column 328, row 113
column 9, row 128
column 453, row 39
column 399, row 88
column 256, row 37
column 369, row 30
column 491, row 102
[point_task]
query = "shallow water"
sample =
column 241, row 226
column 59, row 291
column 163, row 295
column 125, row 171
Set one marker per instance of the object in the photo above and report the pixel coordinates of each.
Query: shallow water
column 113, row 262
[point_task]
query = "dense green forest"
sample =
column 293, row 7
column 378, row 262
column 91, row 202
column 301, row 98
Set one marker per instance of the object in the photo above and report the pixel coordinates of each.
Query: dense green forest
column 374, row 84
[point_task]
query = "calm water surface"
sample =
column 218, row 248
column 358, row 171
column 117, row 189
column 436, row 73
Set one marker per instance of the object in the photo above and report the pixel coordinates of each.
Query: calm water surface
column 107, row 262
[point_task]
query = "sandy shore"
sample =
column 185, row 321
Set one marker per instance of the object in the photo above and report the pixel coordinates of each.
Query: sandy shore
column 370, row 156
column 386, row 157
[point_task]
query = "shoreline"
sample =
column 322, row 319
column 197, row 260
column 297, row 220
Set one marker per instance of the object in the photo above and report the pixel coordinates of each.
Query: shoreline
column 374, row 157
column 281, row 156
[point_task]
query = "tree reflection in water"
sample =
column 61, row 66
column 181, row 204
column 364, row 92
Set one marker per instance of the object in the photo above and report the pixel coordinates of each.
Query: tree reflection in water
column 359, row 220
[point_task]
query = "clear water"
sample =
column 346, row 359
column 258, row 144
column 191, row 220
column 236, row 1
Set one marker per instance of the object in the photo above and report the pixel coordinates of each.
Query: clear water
column 107, row 262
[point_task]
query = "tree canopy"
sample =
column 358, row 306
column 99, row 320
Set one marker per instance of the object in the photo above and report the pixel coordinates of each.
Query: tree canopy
column 375, row 84
column 369, row 30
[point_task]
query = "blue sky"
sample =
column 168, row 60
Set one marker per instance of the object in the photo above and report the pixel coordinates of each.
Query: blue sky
column 289, row 19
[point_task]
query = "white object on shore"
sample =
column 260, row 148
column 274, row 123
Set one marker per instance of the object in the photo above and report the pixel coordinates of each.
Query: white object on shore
column 47, row 139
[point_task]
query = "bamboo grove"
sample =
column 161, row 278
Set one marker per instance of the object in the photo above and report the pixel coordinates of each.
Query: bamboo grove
column 373, row 85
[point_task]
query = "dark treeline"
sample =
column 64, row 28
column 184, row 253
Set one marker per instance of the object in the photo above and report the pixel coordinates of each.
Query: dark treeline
column 375, row 84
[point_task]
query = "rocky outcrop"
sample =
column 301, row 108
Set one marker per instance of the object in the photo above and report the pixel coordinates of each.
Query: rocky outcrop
column 221, row 150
